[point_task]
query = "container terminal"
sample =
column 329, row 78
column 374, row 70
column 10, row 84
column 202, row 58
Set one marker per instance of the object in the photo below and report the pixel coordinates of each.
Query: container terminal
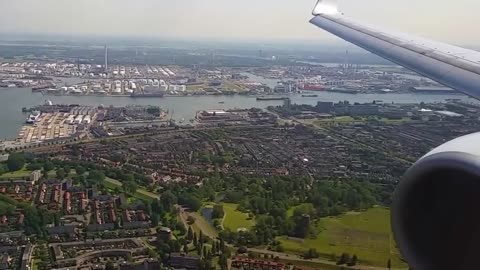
column 51, row 122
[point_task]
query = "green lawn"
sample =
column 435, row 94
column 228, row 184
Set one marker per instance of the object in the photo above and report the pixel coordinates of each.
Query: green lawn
column 338, row 119
column 395, row 121
column 142, row 194
column 366, row 234
column 20, row 173
column 35, row 262
column 235, row 219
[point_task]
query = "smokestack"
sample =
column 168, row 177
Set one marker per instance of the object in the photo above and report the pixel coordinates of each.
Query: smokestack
column 106, row 59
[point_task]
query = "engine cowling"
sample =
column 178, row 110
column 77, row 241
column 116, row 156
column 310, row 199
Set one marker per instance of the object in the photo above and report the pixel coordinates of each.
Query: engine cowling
column 435, row 211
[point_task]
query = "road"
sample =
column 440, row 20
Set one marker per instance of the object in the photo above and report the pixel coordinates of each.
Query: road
column 200, row 222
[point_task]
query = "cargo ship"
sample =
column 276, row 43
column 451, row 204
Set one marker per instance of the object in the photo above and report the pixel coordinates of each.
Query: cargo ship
column 160, row 94
column 271, row 98
column 40, row 88
column 313, row 87
column 343, row 90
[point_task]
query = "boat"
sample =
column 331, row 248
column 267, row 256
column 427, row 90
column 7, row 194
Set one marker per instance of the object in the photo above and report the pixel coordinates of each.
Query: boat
column 313, row 87
column 272, row 98
column 309, row 95
column 343, row 90
column 32, row 118
column 221, row 102
column 39, row 88
column 160, row 94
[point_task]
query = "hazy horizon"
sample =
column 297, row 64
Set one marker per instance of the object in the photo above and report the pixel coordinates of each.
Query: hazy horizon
column 220, row 20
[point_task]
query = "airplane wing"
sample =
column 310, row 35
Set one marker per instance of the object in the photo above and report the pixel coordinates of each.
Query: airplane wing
column 449, row 65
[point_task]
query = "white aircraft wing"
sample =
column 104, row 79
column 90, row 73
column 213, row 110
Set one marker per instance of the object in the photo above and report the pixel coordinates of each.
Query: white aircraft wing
column 449, row 65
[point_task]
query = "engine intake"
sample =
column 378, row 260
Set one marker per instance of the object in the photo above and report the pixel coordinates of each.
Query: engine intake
column 434, row 213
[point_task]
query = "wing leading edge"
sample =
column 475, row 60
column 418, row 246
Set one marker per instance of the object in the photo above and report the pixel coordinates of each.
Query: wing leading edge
column 449, row 65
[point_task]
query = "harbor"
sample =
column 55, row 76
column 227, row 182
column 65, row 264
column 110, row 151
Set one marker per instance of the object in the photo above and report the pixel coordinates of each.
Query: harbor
column 60, row 122
column 12, row 118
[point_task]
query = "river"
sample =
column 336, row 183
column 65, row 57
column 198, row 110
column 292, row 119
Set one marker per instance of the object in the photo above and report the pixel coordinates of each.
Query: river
column 13, row 99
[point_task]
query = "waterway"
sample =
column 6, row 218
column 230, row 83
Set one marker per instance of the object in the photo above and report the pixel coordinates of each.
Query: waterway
column 13, row 99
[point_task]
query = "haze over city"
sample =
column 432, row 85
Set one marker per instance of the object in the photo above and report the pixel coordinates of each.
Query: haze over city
column 233, row 20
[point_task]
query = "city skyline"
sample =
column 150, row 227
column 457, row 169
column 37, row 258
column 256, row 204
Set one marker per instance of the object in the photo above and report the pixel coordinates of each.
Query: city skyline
column 226, row 20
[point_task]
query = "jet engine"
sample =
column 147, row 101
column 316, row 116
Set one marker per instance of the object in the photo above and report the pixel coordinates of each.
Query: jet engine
column 434, row 212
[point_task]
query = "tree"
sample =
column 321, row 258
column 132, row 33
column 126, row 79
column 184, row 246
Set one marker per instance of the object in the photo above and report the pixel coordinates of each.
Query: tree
column 333, row 257
column 152, row 254
column 201, row 238
column 155, row 220
column 60, row 174
column 214, row 247
column 198, row 247
column 312, row 253
column 389, row 264
column 191, row 201
column 185, row 248
column 353, row 261
column 344, row 258
column 190, row 220
column 195, row 239
column 130, row 187
column 48, row 166
column 96, row 176
column 190, row 233
column 218, row 211
column 222, row 245
column 3, row 168
column 15, row 162
column 67, row 169
column 223, row 262
column 168, row 199
column 80, row 170
column 242, row 250
column 204, row 253
column 157, row 208
column 34, row 166
column 109, row 266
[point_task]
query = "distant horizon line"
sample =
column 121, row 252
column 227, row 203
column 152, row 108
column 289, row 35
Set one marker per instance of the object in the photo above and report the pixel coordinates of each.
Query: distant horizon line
column 141, row 40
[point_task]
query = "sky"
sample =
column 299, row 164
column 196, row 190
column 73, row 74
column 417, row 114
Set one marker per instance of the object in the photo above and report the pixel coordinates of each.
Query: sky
column 250, row 20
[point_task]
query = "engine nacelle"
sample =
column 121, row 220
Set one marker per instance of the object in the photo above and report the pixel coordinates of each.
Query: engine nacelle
column 434, row 212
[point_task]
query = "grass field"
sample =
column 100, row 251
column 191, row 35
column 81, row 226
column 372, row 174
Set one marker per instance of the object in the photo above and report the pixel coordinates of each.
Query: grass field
column 20, row 173
column 35, row 262
column 231, row 85
column 235, row 219
column 195, row 87
column 139, row 194
column 366, row 234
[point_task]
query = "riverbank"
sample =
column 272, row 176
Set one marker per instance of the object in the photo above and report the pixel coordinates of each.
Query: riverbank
column 13, row 99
